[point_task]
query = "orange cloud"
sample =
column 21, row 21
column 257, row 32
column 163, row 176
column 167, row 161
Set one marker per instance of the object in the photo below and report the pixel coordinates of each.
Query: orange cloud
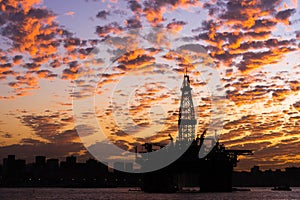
column 154, row 10
column 112, row 28
column 240, row 29
column 70, row 13
column 136, row 59
column 176, row 26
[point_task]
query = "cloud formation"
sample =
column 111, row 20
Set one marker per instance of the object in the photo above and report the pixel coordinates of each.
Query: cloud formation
column 253, row 44
column 244, row 30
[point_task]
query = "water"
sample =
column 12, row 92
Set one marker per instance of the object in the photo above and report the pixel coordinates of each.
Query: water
column 123, row 193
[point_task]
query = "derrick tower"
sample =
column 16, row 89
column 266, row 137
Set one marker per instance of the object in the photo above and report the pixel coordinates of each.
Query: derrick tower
column 186, row 120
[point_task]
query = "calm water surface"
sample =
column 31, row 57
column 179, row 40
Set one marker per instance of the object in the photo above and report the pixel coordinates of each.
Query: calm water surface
column 123, row 193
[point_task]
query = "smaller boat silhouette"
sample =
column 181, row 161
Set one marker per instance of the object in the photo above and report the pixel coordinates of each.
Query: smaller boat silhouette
column 282, row 188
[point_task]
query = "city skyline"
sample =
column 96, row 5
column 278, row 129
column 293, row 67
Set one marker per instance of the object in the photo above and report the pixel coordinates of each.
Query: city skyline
column 48, row 172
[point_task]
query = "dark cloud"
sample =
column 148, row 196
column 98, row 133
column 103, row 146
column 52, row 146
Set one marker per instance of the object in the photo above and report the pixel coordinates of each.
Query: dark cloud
column 69, row 74
column 297, row 105
column 112, row 28
column 134, row 5
column 55, row 64
column 133, row 23
column 85, row 130
column 285, row 14
column 31, row 147
column 49, row 127
column 85, row 51
column 69, row 42
column 103, row 14
column 17, row 58
column 45, row 74
column 263, row 25
column 176, row 25
column 32, row 66
column 43, row 126
column 56, row 141
column 39, row 13
column 297, row 34
column 135, row 59
column 30, row 141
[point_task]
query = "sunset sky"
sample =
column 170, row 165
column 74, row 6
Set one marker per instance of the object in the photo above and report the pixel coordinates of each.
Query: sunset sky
column 116, row 67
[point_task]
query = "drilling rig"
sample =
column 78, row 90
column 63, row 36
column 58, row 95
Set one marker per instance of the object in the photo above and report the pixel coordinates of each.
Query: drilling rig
column 211, row 173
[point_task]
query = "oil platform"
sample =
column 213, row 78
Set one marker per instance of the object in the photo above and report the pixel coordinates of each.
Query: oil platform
column 212, row 173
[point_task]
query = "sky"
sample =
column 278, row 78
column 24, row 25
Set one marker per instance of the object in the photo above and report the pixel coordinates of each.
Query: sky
column 78, row 74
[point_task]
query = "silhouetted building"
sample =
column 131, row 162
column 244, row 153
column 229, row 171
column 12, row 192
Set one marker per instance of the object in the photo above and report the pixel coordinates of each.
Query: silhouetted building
column 255, row 170
column 16, row 173
column 13, row 170
column 292, row 170
column 1, row 174
column 267, row 178
column 69, row 173
column 40, row 160
column 52, row 164
column 71, row 160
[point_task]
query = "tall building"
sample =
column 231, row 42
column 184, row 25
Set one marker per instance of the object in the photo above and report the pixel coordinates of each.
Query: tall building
column 40, row 160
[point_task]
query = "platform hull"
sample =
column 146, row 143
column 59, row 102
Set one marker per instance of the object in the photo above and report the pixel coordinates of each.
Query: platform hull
column 208, row 175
